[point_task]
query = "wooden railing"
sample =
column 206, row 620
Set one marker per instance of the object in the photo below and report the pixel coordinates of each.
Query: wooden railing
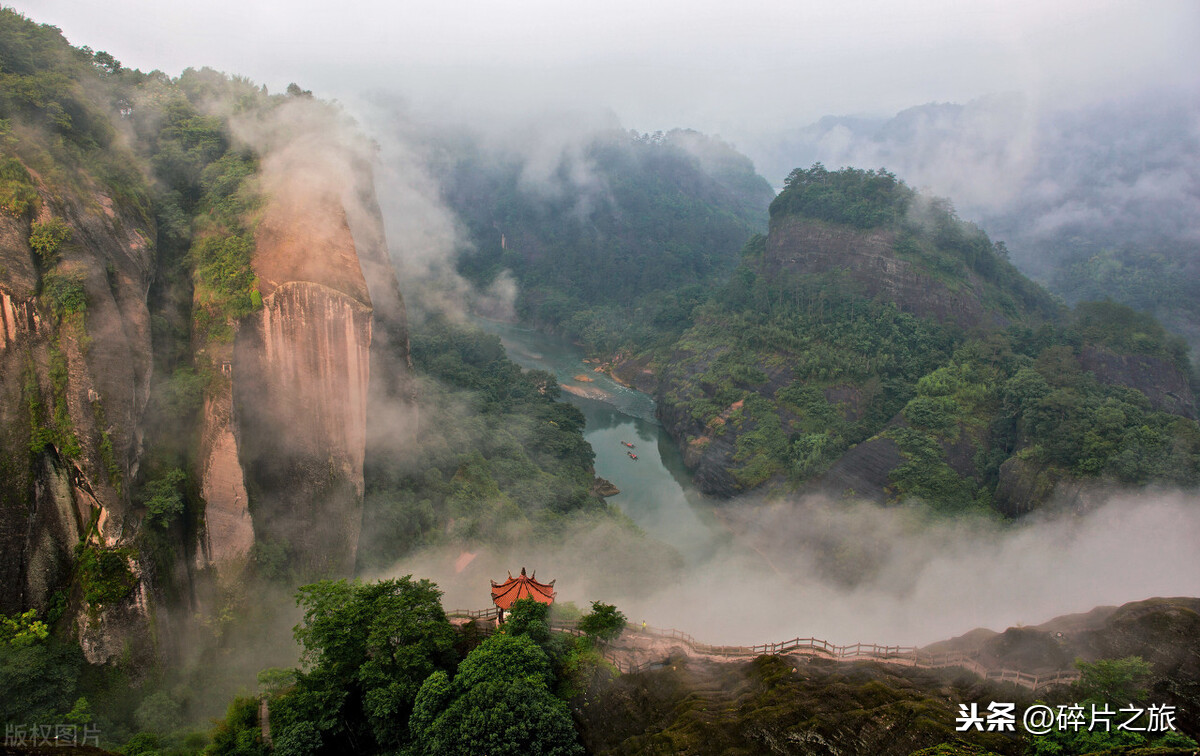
column 624, row 657
column 491, row 612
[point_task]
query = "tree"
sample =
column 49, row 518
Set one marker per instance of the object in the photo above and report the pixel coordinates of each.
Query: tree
column 1116, row 681
column 367, row 649
column 531, row 618
column 603, row 622
column 164, row 499
column 499, row 703
column 240, row 733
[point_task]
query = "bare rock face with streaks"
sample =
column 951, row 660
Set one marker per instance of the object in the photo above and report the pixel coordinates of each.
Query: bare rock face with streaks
column 297, row 378
column 869, row 258
column 75, row 361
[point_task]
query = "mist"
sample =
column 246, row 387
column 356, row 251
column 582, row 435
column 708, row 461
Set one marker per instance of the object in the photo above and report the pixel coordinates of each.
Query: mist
column 859, row 572
column 1123, row 169
column 846, row 572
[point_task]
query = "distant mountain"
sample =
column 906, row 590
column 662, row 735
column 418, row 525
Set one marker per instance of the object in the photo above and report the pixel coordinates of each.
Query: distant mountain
column 613, row 238
column 1096, row 201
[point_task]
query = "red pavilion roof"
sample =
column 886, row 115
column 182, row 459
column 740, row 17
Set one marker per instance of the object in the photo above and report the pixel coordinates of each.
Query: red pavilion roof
column 523, row 586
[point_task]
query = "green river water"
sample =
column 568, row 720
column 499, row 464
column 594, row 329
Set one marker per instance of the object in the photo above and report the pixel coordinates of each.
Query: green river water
column 656, row 492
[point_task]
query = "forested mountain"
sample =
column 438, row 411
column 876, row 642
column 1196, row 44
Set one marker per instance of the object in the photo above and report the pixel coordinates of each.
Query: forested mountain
column 223, row 436
column 612, row 241
column 1096, row 201
column 875, row 345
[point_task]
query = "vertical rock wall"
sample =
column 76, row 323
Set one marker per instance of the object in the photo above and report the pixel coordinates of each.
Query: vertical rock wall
column 73, row 397
column 300, row 373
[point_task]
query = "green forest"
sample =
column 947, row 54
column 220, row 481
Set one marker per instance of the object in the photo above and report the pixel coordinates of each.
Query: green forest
column 620, row 254
column 986, row 395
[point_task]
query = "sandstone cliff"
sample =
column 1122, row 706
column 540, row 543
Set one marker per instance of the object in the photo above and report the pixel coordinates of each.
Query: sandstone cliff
column 284, row 466
column 74, row 384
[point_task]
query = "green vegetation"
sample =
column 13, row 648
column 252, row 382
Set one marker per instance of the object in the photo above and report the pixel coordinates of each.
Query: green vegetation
column 799, row 368
column 64, row 294
column 225, row 284
column 604, row 622
column 238, row 734
column 46, row 239
column 863, row 199
column 53, row 429
column 18, row 196
column 381, row 675
column 39, row 674
column 1156, row 278
column 928, row 232
column 1114, row 683
column 104, row 574
column 619, row 243
column 500, row 457
column 58, row 105
column 499, row 702
column 1127, row 331
column 164, row 497
column 367, row 650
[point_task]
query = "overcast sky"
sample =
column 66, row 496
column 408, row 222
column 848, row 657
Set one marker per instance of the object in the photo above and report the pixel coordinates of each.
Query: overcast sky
column 729, row 66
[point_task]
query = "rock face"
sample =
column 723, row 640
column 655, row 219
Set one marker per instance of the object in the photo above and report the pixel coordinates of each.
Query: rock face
column 1162, row 382
column 285, row 430
column 862, row 472
column 804, row 246
column 74, row 387
column 287, row 433
column 708, row 455
column 1025, row 486
column 229, row 531
column 301, row 368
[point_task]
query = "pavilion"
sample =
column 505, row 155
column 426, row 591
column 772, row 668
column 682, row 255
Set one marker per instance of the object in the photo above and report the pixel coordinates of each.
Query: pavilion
column 505, row 594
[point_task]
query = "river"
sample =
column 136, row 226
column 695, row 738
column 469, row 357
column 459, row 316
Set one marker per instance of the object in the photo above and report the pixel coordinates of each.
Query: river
column 656, row 492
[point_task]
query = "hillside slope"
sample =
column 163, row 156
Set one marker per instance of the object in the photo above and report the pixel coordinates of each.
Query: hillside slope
column 613, row 239
column 875, row 345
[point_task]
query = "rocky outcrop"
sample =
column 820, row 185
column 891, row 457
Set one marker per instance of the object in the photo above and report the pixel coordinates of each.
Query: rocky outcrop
column 1165, row 632
column 707, row 451
column 285, row 454
column 869, row 259
column 228, row 534
column 633, row 371
column 604, row 488
column 1163, row 383
column 74, row 387
column 1026, row 485
column 298, row 378
column 862, row 472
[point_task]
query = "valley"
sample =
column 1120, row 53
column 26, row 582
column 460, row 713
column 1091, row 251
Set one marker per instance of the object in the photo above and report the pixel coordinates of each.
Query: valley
column 290, row 381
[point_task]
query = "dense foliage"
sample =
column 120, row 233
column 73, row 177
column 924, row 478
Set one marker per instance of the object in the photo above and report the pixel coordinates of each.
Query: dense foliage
column 500, row 458
column 367, row 650
column 797, row 369
column 499, row 702
column 1107, row 684
column 382, row 675
column 768, row 359
column 617, row 243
